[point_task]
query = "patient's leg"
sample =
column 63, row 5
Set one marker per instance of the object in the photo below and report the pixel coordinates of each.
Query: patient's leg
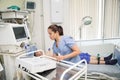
column 94, row 60
column 102, row 58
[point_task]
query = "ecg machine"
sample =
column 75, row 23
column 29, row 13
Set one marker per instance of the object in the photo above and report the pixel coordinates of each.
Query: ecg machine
column 35, row 64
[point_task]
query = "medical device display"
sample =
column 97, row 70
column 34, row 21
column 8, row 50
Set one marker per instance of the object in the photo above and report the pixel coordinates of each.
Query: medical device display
column 30, row 5
column 19, row 32
column 13, row 34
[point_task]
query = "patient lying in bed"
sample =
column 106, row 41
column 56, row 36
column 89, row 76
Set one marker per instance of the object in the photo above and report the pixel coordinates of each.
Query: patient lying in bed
column 92, row 59
column 89, row 58
column 98, row 60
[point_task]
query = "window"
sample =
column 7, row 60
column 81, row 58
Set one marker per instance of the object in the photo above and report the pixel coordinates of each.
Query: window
column 105, row 19
column 111, row 19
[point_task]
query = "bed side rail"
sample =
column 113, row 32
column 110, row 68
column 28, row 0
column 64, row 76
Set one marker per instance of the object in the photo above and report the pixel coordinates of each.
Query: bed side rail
column 80, row 72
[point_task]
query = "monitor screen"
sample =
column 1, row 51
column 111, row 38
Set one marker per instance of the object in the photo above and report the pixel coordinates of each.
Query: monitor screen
column 19, row 32
column 30, row 5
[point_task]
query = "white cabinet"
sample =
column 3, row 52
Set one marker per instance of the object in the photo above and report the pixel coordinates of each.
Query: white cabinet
column 56, row 11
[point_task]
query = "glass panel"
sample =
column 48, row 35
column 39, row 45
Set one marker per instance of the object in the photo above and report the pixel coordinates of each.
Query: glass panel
column 111, row 19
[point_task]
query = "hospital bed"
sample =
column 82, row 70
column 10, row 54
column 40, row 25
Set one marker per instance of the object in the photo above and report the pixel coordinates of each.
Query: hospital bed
column 81, row 69
column 111, row 71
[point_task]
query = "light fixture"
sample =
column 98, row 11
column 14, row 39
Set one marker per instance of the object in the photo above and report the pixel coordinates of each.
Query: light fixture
column 87, row 20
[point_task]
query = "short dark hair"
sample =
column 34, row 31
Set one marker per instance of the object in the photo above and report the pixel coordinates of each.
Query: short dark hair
column 56, row 28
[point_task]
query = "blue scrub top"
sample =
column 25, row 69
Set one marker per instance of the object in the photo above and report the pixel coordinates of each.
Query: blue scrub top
column 64, row 47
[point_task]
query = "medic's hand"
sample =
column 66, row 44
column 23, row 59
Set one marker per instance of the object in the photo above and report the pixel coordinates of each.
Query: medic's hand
column 59, row 58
